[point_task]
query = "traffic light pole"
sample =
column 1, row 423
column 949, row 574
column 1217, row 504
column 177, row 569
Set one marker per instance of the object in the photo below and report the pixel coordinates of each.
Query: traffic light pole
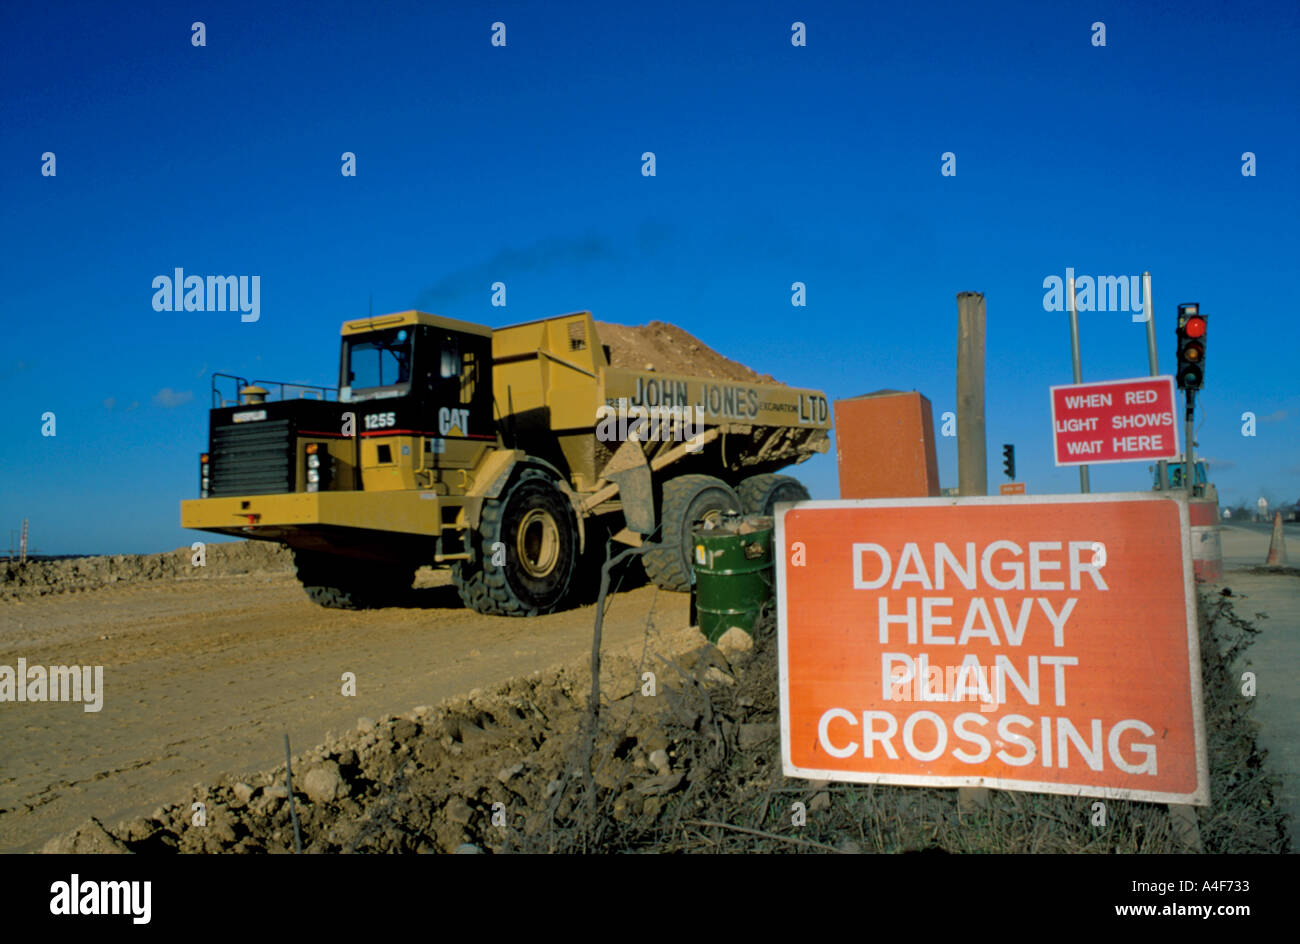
column 1192, row 332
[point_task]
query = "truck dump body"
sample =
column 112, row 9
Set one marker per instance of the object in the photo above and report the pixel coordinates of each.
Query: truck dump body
column 552, row 378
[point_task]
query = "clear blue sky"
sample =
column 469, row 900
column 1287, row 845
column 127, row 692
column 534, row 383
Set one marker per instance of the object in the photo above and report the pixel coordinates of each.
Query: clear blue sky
column 523, row 164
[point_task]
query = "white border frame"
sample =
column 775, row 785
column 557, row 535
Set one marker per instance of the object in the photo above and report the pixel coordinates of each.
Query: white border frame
column 1051, row 396
column 1199, row 797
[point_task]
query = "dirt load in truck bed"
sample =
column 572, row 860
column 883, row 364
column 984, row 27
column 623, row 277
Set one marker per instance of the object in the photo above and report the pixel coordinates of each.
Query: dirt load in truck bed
column 671, row 350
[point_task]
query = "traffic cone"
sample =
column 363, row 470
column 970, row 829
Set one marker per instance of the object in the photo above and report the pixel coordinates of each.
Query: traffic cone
column 1277, row 546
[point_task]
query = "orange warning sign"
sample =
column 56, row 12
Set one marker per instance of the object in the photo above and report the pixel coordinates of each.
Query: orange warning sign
column 1043, row 643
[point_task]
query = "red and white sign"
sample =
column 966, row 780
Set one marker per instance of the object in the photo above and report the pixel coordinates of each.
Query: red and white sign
column 1041, row 643
column 1114, row 421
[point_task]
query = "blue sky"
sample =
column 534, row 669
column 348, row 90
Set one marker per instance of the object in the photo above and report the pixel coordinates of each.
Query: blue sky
column 522, row 164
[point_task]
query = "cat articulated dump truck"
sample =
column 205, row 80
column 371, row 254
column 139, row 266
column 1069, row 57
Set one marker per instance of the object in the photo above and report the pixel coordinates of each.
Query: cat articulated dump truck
column 505, row 454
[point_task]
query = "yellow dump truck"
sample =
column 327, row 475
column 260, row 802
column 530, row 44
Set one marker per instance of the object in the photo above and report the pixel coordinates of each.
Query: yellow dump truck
column 502, row 453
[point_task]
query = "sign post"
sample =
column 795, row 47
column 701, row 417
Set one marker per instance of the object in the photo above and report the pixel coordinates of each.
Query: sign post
column 1153, row 360
column 1039, row 643
column 1084, row 485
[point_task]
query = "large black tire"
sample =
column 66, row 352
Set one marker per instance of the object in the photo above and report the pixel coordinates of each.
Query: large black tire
column 760, row 493
column 535, row 526
column 686, row 499
column 342, row 583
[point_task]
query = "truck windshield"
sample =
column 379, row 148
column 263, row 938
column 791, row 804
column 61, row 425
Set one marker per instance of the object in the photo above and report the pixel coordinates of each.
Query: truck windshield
column 381, row 359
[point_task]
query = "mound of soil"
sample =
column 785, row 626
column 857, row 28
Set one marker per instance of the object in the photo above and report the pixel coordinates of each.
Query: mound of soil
column 38, row 578
column 670, row 350
column 695, row 767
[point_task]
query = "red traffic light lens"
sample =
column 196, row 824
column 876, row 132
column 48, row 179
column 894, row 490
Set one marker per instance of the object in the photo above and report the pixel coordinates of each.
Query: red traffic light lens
column 1194, row 327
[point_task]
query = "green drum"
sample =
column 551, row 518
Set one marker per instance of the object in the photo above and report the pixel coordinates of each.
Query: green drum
column 733, row 573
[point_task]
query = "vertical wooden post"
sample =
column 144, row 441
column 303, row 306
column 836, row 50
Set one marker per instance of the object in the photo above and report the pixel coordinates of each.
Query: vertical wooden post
column 972, row 458
column 972, row 461
column 1186, row 827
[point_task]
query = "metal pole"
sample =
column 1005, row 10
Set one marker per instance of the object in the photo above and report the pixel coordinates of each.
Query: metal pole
column 1162, row 467
column 1188, row 461
column 288, row 785
column 1152, row 358
column 1078, row 369
column 972, row 460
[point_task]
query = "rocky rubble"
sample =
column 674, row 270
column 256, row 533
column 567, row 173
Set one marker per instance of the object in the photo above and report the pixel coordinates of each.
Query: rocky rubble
column 670, row 350
column 695, row 767
column 491, row 770
column 78, row 574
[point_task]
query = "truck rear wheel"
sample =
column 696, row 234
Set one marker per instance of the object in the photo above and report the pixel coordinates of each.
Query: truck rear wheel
column 687, row 499
column 760, row 493
column 342, row 583
column 528, row 547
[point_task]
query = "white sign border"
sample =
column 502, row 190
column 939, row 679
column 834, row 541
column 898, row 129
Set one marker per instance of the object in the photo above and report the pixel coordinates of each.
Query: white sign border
column 1199, row 797
column 1173, row 398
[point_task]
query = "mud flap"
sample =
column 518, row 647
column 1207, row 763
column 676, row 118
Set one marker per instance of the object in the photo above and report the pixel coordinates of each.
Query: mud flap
column 631, row 473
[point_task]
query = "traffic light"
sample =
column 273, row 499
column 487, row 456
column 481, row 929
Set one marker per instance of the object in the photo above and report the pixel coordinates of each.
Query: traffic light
column 1009, row 461
column 1191, row 347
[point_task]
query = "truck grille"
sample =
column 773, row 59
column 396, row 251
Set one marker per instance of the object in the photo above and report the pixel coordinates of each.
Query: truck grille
column 251, row 459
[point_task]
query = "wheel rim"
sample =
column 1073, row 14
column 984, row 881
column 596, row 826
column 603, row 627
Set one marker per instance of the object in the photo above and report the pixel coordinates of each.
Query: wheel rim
column 538, row 543
column 711, row 515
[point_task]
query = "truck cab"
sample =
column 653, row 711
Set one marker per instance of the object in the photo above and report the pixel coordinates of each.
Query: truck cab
column 419, row 388
column 1173, row 473
column 411, row 416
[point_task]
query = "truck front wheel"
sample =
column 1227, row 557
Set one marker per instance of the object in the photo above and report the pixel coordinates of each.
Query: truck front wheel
column 687, row 499
column 527, row 551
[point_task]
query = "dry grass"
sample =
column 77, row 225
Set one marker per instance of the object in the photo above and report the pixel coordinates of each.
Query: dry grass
column 737, row 801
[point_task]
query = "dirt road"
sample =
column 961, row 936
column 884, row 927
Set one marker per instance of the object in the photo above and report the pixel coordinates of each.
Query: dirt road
column 1275, row 655
column 203, row 677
